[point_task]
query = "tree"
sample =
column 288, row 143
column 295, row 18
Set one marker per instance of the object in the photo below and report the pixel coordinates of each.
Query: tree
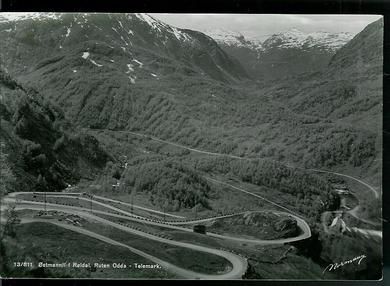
column 116, row 173
column 8, row 231
column 8, row 179
column 60, row 142
column 42, row 184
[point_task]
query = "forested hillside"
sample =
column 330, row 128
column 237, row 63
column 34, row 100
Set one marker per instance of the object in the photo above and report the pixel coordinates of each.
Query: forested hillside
column 159, row 136
column 132, row 72
column 40, row 149
column 169, row 185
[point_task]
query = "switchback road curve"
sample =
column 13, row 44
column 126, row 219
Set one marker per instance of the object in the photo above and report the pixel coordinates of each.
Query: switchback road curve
column 178, row 225
column 288, row 165
column 244, row 158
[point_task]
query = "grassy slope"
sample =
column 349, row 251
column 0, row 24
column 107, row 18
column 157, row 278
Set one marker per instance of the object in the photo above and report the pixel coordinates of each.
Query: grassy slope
column 48, row 243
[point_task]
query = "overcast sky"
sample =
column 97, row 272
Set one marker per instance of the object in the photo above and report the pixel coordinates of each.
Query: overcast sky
column 262, row 26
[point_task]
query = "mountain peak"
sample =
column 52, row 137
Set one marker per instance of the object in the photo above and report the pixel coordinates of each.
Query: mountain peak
column 102, row 39
column 154, row 23
column 18, row 16
column 295, row 38
column 231, row 38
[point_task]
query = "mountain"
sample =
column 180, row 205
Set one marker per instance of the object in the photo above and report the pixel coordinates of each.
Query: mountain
column 363, row 54
column 247, row 51
column 97, row 65
column 348, row 92
column 350, row 87
column 165, row 49
column 109, row 101
column 283, row 54
column 131, row 72
column 233, row 39
column 39, row 147
column 295, row 38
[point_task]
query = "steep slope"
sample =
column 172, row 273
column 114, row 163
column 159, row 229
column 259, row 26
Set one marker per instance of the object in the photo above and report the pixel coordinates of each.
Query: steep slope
column 350, row 89
column 98, row 66
column 246, row 51
column 113, row 35
column 347, row 93
column 295, row 52
column 364, row 53
column 39, row 147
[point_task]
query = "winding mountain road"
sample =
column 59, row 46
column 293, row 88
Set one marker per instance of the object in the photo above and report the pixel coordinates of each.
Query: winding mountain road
column 178, row 225
column 371, row 188
column 247, row 158
column 79, row 196
column 139, row 207
column 239, row 264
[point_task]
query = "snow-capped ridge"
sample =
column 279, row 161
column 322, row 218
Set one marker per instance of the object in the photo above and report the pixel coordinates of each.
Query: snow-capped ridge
column 292, row 38
column 295, row 38
column 17, row 16
column 155, row 24
column 227, row 37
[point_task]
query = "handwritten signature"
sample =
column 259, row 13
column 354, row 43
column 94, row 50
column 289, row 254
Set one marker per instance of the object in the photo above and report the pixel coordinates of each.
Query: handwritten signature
column 334, row 266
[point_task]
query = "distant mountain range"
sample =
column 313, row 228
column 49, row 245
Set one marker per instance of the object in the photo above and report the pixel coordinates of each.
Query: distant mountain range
column 283, row 54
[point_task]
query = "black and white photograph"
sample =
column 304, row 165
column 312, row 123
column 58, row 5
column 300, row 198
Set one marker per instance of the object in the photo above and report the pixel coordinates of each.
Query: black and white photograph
column 191, row 146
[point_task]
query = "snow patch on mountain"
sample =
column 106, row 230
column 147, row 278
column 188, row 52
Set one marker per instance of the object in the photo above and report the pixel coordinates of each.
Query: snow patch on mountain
column 161, row 27
column 130, row 67
column 138, row 62
column 292, row 38
column 126, row 43
column 82, row 19
column 234, row 39
column 181, row 36
column 227, row 37
column 85, row 55
column 68, row 30
column 295, row 38
column 155, row 24
column 132, row 79
column 18, row 16
column 95, row 63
